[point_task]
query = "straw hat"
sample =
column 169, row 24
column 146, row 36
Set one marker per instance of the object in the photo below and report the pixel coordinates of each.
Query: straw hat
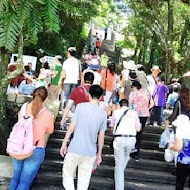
column 155, row 67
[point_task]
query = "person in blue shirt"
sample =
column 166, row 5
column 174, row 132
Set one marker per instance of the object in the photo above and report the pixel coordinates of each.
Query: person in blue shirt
column 172, row 98
column 26, row 87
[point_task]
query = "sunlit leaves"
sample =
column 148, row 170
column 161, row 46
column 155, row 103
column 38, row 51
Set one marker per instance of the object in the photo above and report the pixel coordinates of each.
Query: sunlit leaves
column 50, row 15
column 9, row 30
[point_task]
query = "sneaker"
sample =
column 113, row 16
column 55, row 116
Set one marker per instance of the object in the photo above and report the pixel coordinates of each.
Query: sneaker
column 133, row 150
column 150, row 124
column 136, row 158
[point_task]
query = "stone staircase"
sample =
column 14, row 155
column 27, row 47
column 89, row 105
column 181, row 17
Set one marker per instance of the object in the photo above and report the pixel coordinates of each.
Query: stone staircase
column 150, row 173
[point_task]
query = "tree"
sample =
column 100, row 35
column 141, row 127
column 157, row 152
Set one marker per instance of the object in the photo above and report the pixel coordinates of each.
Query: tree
column 38, row 26
column 20, row 23
column 164, row 23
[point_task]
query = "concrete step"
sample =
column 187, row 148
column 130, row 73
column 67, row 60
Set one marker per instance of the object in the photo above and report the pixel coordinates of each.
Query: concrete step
column 97, row 183
column 59, row 134
column 144, row 153
column 146, row 164
column 147, row 129
column 56, row 143
column 133, row 175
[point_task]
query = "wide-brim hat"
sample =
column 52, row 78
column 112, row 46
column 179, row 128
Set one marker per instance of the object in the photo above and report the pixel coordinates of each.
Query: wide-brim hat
column 155, row 67
column 72, row 49
column 58, row 57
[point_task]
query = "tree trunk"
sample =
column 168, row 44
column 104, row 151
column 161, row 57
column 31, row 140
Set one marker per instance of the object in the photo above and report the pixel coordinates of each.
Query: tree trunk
column 152, row 50
column 3, row 121
column 144, row 51
column 5, row 80
column 184, row 36
column 141, row 50
column 135, row 56
column 170, row 63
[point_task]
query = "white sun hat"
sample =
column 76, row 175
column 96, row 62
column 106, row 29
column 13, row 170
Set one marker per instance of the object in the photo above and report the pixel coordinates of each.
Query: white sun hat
column 129, row 65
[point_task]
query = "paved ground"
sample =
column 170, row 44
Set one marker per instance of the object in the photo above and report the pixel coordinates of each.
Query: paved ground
column 3, row 183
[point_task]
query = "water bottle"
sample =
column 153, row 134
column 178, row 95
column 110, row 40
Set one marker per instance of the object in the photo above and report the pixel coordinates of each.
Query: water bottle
column 94, row 167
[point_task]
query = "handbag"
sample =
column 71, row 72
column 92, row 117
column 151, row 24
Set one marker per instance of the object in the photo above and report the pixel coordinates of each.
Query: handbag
column 169, row 155
column 164, row 139
column 111, row 144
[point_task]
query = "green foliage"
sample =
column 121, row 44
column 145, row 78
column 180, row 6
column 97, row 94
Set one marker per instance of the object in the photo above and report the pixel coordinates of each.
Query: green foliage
column 9, row 28
column 26, row 17
column 49, row 14
column 34, row 27
column 127, row 43
column 165, row 27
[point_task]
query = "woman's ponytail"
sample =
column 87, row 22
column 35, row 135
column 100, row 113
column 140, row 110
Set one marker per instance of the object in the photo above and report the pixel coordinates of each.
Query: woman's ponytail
column 39, row 95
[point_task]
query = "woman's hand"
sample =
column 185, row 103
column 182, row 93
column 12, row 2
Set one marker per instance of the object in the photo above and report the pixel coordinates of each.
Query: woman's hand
column 171, row 144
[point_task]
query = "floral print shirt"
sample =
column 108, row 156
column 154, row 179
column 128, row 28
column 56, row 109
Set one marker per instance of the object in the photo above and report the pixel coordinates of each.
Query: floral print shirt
column 139, row 100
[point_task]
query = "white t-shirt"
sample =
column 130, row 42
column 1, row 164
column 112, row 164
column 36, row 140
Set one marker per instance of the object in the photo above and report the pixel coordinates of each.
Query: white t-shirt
column 129, row 123
column 71, row 68
column 151, row 84
column 125, row 74
column 97, row 76
column 183, row 126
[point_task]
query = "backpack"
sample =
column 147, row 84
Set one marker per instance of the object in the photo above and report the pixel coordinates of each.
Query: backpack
column 20, row 142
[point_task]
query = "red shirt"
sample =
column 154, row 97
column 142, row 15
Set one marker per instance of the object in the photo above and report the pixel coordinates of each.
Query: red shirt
column 80, row 95
column 98, row 43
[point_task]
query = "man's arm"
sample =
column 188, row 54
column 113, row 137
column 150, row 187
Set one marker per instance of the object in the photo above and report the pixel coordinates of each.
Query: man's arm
column 70, row 130
column 66, row 111
column 100, row 146
column 61, row 78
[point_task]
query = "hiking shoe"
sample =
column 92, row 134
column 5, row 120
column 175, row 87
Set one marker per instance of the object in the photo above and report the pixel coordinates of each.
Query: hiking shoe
column 136, row 158
column 133, row 150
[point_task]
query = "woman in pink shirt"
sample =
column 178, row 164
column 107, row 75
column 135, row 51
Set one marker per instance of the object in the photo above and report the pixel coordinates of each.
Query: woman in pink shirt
column 43, row 123
column 140, row 100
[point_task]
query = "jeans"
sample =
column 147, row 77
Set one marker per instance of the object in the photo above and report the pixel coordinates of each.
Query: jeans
column 67, row 88
column 182, row 172
column 85, row 165
column 122, row 148
column 157, row 115
column 26, row 170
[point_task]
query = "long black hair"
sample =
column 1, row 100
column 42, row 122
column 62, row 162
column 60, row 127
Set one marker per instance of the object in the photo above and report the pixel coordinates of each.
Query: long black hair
column 111, row 67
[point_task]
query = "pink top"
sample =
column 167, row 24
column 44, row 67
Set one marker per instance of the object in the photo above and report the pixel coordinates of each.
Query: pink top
column 141, row 99
column 43, row 124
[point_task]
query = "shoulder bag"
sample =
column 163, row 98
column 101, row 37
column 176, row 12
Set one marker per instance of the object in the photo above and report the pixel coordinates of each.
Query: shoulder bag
column 111, row 144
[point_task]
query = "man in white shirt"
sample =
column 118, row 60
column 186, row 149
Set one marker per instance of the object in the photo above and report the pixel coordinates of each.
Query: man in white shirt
column 153, row 79
column 124, row 139
column 70, row 74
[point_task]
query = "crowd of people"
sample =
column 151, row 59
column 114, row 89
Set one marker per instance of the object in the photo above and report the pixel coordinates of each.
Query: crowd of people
column 95, row 92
